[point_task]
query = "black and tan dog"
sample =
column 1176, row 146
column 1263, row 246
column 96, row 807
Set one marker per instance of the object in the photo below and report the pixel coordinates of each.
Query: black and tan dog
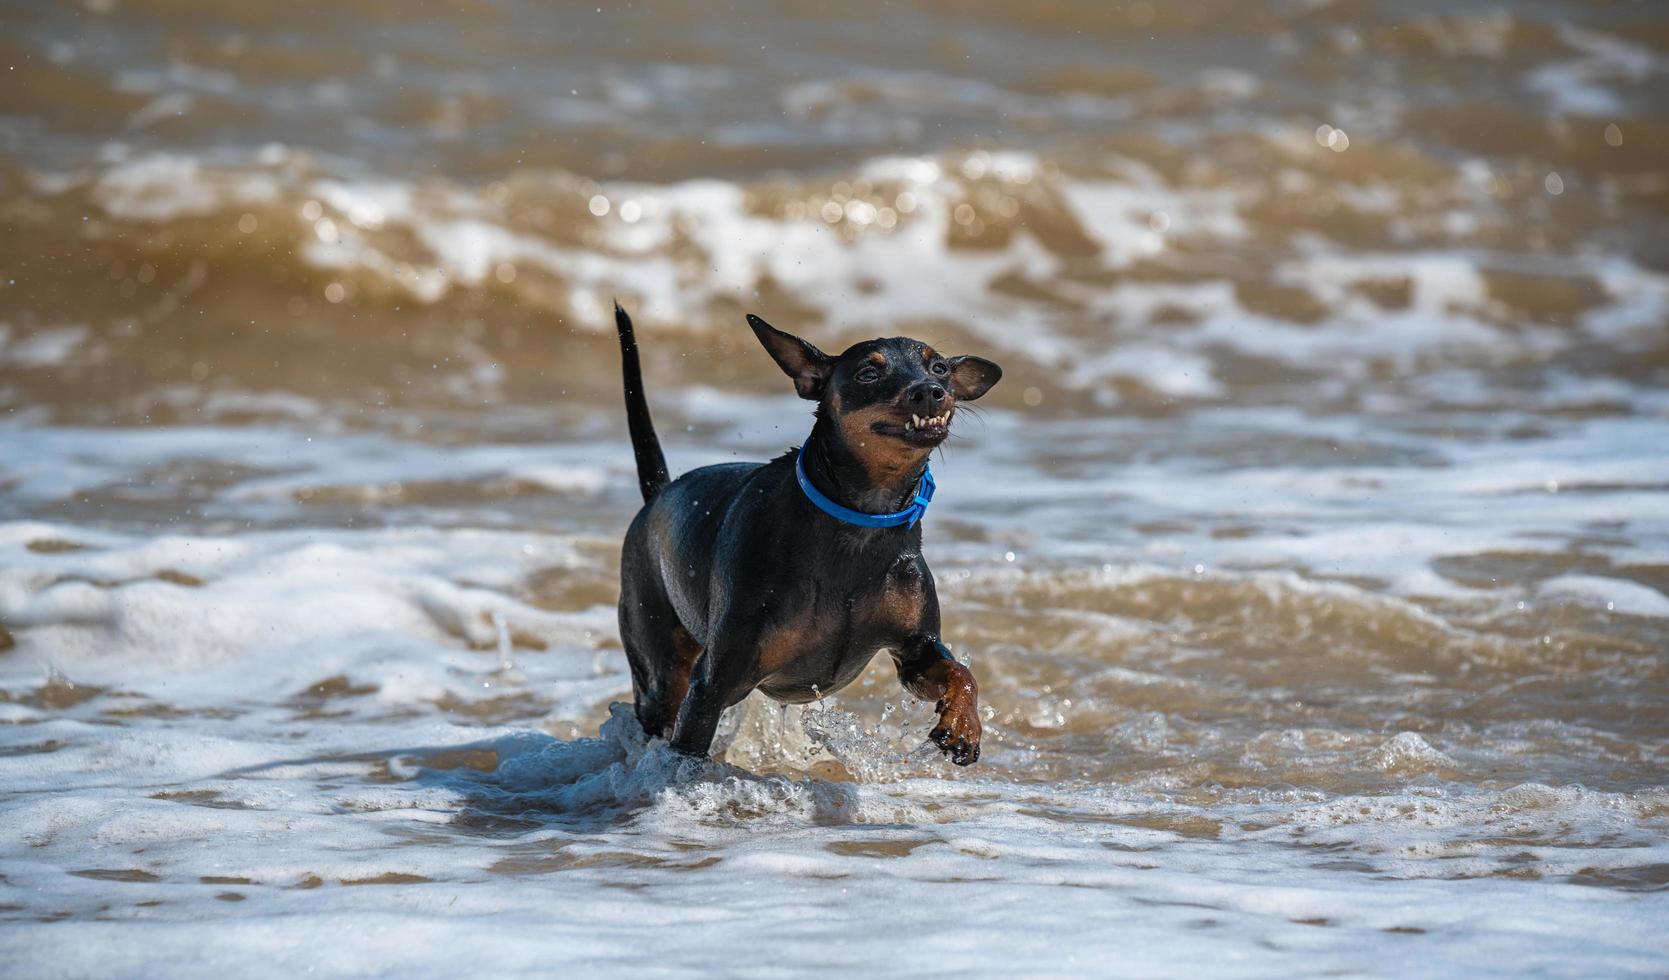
column 789, row 576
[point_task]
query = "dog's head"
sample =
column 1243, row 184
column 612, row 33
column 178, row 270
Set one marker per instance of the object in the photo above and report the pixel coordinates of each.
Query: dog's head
column 891, row 401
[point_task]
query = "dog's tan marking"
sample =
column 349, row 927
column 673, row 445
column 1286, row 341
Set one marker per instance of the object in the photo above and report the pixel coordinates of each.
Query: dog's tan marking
column 877, row 358
column 885, row 461
column 899, row 603
column 958, row 730
column 685, row 653
column 782, row 645
column 927, row 355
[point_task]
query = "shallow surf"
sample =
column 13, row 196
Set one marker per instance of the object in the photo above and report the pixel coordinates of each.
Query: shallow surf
column 1313, row 555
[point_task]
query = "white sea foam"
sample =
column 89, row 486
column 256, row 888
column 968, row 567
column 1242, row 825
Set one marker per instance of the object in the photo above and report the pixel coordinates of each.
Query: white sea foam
column 1578, row 86
column 51, row 347
column 1611, row 593
column 430, row 240
column 47, row 464
column 308, row 719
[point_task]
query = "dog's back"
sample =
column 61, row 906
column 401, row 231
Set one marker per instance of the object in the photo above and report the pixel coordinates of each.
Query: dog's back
column 671, row 544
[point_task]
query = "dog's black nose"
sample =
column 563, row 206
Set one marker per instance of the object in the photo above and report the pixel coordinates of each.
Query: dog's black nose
column 927, row 398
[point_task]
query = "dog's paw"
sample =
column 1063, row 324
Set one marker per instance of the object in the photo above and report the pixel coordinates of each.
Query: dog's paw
column 957, row 734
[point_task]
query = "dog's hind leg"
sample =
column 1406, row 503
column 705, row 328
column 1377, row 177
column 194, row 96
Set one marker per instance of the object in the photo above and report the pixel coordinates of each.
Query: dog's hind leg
column 659, row 649
column 675, row 684
column 661, row 654
column 723, row 676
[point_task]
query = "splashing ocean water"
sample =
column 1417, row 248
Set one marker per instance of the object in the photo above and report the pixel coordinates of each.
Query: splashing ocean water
column 1313, row 555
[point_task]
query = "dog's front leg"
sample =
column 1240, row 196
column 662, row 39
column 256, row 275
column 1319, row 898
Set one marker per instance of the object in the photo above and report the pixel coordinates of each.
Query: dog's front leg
column 927, row 670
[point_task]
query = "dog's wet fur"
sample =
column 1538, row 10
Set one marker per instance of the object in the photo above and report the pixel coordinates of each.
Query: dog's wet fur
column 731, row 579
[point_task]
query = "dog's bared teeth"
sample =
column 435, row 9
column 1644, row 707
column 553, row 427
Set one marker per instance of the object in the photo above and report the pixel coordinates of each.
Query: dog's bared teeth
column 918, row 422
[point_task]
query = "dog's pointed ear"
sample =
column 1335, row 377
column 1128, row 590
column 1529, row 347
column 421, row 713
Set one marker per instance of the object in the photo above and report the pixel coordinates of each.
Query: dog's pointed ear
column 809, row 367
column 971, row 376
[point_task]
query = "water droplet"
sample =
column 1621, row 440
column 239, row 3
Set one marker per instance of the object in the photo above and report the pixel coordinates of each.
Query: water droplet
column 1554, row 183
column 599, row 205
column 860, row 212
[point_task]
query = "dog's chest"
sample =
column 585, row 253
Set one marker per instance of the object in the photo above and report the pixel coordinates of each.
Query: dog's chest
column 826, row 643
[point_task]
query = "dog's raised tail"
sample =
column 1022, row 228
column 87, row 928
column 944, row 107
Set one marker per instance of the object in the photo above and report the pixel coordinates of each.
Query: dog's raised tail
column 651, row 465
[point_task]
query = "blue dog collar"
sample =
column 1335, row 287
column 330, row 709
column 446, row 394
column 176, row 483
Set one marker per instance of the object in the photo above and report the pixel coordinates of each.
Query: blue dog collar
column 846, row 515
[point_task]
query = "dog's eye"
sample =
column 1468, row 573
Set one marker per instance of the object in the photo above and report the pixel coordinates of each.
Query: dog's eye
column 939, row 368
column 867, row 375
